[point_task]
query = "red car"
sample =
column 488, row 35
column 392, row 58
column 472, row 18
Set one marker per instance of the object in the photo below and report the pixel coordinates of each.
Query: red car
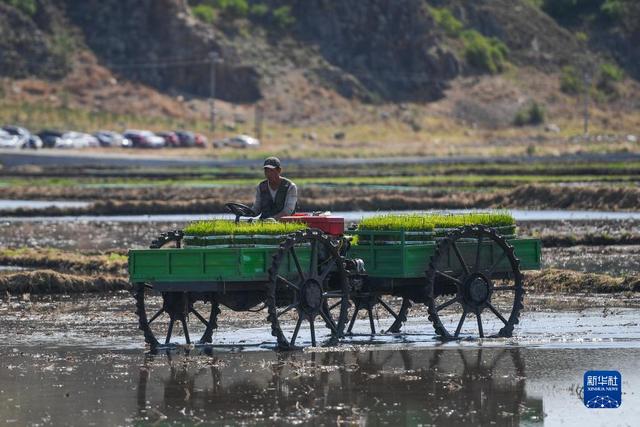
column 170, row 138
column 201, row 140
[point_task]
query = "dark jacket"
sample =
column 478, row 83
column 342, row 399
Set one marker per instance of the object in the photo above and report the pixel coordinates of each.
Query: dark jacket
column 269, row 207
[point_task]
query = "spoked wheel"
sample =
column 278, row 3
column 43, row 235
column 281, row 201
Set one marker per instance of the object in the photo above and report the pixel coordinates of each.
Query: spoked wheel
column 175, row 317
column 371, row 302
column 307, row 276
column 474, row 272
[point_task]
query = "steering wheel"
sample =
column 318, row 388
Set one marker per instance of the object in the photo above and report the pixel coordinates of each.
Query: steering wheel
column 240, row 210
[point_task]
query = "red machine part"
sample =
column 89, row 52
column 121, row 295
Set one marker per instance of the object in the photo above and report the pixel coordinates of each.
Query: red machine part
column 333, row 225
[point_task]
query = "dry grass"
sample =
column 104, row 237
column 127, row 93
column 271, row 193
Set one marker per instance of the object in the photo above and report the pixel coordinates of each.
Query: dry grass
column 473, row 119
column 571, row 282
column 52, row 282
column 64, row 261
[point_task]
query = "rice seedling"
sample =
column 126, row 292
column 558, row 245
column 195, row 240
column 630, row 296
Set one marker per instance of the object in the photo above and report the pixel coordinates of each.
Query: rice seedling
column 230, row 228
column 431, row 221
column 409, row 222
column 425, row 227
column 489, row 219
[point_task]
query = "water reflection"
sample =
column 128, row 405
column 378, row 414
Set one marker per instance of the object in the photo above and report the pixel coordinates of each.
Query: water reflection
column 397, row 387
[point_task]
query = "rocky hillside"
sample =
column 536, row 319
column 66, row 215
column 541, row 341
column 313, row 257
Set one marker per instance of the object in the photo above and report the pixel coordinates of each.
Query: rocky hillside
column 361, row 50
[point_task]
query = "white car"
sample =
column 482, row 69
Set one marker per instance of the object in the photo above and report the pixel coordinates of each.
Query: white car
column 25, row 138
column 240, row 141
column 8, row 141
column 77, row 140
column 143, row 139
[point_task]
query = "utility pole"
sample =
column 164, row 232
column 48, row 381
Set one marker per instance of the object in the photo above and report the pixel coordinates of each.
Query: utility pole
column 213, row 60
column 258, row 121
column 587, row 89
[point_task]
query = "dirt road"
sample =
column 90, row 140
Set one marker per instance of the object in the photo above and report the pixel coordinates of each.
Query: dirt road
column 10, row 158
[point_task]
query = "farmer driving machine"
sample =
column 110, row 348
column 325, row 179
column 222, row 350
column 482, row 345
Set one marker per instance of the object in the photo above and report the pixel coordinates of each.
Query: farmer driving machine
column 315, row 280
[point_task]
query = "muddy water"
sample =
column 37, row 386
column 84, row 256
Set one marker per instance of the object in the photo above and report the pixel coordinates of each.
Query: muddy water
column 40, row 204
column 468, row 387
column 612, row 260
column 352, row 216
column 69, row 361
column 81, row 361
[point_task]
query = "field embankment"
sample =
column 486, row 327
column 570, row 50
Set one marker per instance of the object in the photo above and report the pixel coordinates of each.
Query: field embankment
column 546, row 281
column 52, row 282
column 195, row 200
column 72, row 262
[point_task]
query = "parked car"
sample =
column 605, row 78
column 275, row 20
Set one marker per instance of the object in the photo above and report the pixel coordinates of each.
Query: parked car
column 144, row 139
column 240, row 141
column 26, row 138
column 8, row 141
column 186, row 138
column 77, row 140
column 108, row 138
column 200, row 140
column 50, row 137
column 170, row 139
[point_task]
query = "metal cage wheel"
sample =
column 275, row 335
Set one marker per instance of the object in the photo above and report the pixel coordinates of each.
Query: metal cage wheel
column 158, row 315
column 472, row 288
column 170, row 239
column 373, row 303
column 304, row 291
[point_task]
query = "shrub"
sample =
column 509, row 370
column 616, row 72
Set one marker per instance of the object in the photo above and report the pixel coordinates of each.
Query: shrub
column 537, row 114
column 570, row 81
column 233, row 8
column 565, row 10
column 534, row 114
column 574, row 10
column 613, row 9
column 204, row 13
column 259, row 10
column 582, row 37
column 445, row 19
column 536, row 3
column 282, row 17
column 29, row 7
column 484, row 53
column 609, row 75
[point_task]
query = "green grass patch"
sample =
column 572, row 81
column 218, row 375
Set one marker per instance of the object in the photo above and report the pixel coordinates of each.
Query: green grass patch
column 445, row 20
column 229, row 228
column 205, row 13
column 485, row 53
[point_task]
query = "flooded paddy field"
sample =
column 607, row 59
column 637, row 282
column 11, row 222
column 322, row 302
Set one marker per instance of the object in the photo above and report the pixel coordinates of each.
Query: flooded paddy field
column 81, row 361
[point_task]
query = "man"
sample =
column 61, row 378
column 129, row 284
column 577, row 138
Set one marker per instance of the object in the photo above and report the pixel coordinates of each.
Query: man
column 276, row 196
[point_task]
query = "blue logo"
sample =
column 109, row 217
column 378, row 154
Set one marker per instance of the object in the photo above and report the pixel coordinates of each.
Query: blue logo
column 602, row 389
